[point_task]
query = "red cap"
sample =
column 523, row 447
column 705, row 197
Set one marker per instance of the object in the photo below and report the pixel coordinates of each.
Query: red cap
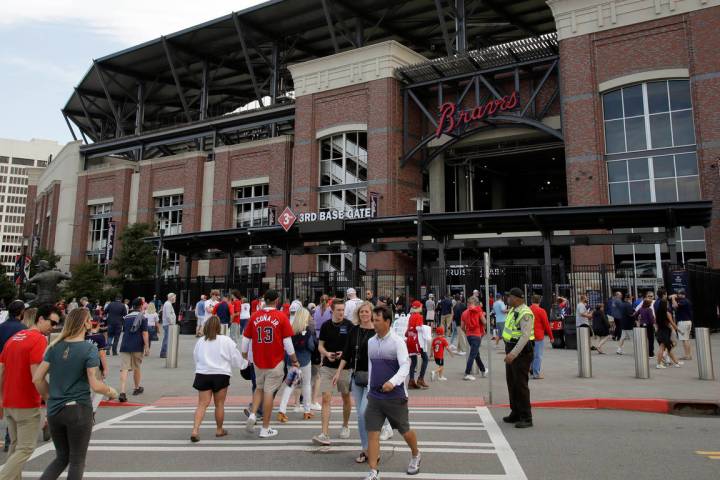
column 416, row 304
column 440, row 330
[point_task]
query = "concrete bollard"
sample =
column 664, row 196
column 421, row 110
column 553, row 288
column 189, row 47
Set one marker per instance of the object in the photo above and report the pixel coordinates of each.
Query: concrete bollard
column 642, row 360
column 583, row 348
column 173, row 345
column 704, row 354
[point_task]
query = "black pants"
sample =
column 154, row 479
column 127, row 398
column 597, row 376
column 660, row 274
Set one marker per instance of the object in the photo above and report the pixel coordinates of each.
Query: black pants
column 70, row 430
column 516, row 375
column 114, row 332
column 650, row 332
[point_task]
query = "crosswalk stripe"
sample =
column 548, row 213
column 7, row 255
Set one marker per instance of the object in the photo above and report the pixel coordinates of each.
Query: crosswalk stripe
column 280, row 474
column 304, row 422
column 282, row 427
column 427, row 443
column 258, row 447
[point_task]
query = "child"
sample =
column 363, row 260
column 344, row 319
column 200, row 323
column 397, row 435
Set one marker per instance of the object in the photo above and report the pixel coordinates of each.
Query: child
column 439, row 344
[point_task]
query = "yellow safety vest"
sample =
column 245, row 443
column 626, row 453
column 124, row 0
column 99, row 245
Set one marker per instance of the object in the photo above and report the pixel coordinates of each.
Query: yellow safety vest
column 512, row 331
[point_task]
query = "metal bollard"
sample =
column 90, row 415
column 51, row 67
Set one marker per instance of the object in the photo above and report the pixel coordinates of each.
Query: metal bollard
column 224, row 328
column 704, row 354
column 583, row 348
column 173, row 346
column 642, row 360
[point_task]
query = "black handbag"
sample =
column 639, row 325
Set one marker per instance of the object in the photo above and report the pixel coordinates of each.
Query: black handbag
column 359, row 378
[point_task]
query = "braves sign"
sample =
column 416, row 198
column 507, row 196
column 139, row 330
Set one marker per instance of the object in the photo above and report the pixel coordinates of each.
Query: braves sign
column 451, row 119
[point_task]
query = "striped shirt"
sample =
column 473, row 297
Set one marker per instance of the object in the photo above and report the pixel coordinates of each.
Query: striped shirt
column 388, row 362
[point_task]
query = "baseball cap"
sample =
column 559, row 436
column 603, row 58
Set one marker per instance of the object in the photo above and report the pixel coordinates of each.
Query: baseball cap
column 295, row 306
column 350, row 291
column 440, row 330
column 416, row 304
column 516, row 292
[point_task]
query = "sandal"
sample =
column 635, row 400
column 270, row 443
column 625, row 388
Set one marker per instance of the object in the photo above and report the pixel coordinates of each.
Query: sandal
column 194, row 438
column 223, row 434
column 362, row 458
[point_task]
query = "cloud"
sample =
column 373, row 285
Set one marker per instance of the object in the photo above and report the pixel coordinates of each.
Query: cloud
column 34, row 66
column 128, row 21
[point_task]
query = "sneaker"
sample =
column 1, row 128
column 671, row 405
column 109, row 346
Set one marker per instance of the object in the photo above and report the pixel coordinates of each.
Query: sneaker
column 122, row 398
column 619, row 351
column 485, row 373
column 386, row 433
column 373, row 475
column 510, row 419
column 678, row 364
column 468, row 377
column 461, row 353
column 414, row 465
column 524, row 423
column 321, row 439
column 250, row 424
column 316, row 406
column 433, row 376
column 443, row 379
column 267, row 433
column 345, row 432
column 138, row 391
column 660, row 365
column 282, row 418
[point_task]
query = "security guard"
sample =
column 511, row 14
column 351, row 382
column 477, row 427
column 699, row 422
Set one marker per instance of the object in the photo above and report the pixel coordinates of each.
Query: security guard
column 518, row 335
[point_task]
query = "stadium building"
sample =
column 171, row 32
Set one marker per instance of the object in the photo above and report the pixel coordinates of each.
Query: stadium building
column 408, row 136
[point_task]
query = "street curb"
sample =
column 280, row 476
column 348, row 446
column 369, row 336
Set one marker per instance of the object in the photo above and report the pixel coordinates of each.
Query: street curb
column 107, row 403
column 647, row 405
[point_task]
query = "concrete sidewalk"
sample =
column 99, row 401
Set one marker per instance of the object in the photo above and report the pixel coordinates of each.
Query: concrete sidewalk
column 613, row 376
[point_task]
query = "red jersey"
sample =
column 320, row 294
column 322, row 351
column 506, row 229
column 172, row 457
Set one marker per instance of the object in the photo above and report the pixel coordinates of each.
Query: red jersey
column 472, row 319
column 542, row 326
column 411, row 339
column 235, row 311
column 25, row 348
column 439, row 344
column 254, row 306
column 267, row 329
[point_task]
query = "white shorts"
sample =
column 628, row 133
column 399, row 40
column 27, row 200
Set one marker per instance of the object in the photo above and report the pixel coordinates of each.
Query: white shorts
column 684, row 328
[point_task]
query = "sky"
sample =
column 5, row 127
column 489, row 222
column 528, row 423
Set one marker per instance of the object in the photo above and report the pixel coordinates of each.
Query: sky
column 47, row 46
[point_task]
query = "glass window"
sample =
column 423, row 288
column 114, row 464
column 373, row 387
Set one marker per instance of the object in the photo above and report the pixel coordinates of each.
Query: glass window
column 657, row 97
column 683, row 130
column 612, row 105
column 633, row 101
column 635, row 132
column 640, row 192
column 638, row 169
column 665, row 190
column 617, row 171
column 169, row 218
column 688, row 188
column 660, row 135
column 663, row 167
column 615, row 136
column 686, row 164
column 619, row 193
column 679, row 94
column 251, row 206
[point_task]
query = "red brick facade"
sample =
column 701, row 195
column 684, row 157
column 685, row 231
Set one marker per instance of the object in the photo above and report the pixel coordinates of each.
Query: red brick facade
column 682, row 41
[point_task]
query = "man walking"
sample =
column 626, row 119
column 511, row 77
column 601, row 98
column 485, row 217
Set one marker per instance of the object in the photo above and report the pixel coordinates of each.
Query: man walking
column 542, row 328
column 270, row 334
column 351, row 304
column 461, row 347
column 20, row 400
column 500, row 310
column 135, row 343
column 333, row 337
column 115, row 312
column 168, row 318
column 445, row 308
column 519, row 336
column 388, row 367
column 683, row 317
column 13, row 324
column 473, row 326
column 200, row 315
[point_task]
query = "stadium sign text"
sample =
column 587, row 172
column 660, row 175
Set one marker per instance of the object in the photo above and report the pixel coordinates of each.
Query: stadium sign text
column 451, row 119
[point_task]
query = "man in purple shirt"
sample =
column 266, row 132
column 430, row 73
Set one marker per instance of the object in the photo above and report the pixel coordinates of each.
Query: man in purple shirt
column 388, row 368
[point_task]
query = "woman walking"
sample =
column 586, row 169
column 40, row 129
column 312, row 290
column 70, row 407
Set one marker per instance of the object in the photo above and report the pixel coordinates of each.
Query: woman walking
column 322, row 314
column 663, row 332
column 645, row 317
column 72, row 364
column 600, row 327
column 303, row 340
column 214, row 356
column 416, row 346
column 152, row 321
column 355, row 355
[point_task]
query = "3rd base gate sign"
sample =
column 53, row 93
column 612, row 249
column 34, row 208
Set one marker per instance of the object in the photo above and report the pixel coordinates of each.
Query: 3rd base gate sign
column 287, row 217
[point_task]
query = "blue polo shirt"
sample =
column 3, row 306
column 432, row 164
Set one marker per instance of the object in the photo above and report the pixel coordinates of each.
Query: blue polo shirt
column 9, row 328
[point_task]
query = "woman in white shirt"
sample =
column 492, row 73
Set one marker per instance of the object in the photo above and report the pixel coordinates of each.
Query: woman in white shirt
column 152, row 320
column 214, row 356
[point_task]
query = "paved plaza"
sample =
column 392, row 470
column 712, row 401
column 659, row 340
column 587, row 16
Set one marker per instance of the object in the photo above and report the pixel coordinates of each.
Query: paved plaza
column 461, row 435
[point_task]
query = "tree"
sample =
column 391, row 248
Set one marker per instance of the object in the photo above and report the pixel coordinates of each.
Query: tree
column 135, row 260
column 87, row 281
column 8, row 291
column 42, row 254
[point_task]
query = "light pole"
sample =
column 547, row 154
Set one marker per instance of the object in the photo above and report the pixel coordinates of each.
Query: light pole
column 158, row 263
column 420, row 205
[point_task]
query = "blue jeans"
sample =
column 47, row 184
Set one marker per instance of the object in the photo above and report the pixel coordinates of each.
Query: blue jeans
column 360, row 398
column 454, row 335
column 163, row 349
column 537, row 358
column 474, row 355
column 114, row 331
column 423, row 365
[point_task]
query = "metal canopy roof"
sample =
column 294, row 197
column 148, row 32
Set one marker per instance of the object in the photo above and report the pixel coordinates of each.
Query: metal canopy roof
column 234, row 55
column 585, row 218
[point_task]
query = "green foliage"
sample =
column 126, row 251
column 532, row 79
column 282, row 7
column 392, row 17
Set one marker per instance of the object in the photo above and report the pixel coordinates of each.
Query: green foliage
column 7, row 288
column 87, row 280
column 135, row 259
column 42, row 254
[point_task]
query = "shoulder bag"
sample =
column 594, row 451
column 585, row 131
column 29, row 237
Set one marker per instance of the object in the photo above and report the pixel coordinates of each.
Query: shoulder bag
column 359, row 378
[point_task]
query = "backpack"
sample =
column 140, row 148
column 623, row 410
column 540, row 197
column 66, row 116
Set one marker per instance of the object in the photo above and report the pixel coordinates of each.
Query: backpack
column 223, row 312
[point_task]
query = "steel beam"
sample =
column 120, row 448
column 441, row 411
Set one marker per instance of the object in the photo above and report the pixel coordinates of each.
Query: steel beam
column 87, row 115
column 539, row 87
column 140, row 108
column 443, row 27
column 99, row 73
column 246, row 54
column 204, row 100
column 72, row 132
column 331, row 28
column 503, row 12
column 460, row 28
column 177, row 80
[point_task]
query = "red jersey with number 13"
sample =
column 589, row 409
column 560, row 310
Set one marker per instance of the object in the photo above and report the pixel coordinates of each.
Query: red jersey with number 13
column 267, row 329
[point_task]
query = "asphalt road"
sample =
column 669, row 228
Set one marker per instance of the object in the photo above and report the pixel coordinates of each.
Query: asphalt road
column 458, row 443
